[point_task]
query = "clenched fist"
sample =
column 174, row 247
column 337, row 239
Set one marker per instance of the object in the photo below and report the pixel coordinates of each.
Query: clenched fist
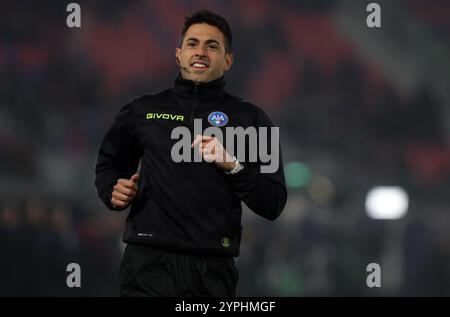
column 124, row 191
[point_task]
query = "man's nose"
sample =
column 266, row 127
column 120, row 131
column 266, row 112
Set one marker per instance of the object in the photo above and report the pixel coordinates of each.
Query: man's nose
column 201, row 51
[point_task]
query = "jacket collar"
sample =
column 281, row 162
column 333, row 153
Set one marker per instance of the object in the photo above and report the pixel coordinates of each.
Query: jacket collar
column 203, row 93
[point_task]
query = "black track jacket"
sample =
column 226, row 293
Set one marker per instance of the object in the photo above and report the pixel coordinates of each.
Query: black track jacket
column 185, row 206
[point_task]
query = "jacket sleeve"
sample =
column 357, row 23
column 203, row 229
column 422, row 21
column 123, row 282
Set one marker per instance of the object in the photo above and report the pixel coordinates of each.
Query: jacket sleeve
column 118, row 156
column 264, row 193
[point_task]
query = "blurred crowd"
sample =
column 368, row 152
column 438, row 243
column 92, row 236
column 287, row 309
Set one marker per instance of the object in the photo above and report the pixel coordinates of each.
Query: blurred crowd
column 337, row 111
column 39, row 241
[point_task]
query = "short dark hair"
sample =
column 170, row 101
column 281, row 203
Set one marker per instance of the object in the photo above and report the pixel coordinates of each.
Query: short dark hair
column 205, row 16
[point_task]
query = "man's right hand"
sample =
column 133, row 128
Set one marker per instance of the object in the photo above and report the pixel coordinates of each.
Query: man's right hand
column 124, row 191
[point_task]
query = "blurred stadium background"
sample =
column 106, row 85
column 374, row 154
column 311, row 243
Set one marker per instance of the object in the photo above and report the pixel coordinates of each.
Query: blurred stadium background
column 358, row 108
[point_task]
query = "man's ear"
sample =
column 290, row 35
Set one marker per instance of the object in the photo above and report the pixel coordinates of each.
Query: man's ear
column 177, row 54
column 228, row 60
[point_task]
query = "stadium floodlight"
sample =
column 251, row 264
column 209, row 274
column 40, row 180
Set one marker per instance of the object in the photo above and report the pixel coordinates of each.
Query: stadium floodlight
column 386, row 202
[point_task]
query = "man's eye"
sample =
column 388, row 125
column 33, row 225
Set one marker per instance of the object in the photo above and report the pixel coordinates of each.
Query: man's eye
column 191, row 44
column 214, row 47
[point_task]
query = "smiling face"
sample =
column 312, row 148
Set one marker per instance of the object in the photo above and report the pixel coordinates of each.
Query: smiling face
column 202, row 55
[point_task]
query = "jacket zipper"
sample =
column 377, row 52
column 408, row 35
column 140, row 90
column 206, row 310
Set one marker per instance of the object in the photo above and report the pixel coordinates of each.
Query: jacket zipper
column 194, row 103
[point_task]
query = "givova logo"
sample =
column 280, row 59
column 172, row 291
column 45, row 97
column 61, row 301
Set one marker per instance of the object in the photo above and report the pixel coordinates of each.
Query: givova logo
column 226, row 242
column 164, row 116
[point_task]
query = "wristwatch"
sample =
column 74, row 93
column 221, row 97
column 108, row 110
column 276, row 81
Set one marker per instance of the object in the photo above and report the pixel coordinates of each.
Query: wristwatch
column 237, row 168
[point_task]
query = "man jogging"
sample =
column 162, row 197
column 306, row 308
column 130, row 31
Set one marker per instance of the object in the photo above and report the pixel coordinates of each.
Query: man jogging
column 184, row 226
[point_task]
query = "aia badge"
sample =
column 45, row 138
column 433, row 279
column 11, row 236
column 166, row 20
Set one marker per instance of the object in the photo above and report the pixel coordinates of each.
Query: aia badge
column 218, row 118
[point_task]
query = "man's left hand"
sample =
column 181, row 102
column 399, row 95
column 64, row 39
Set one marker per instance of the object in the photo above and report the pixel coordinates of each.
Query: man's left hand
column 213, row 151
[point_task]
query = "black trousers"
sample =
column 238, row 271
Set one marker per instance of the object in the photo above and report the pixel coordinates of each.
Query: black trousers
column 149, row 271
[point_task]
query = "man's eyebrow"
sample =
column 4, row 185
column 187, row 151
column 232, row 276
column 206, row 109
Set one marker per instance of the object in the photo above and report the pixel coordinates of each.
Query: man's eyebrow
column 207, row 41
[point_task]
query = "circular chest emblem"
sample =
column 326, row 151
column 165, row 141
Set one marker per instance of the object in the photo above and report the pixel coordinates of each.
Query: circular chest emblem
column 218, row 118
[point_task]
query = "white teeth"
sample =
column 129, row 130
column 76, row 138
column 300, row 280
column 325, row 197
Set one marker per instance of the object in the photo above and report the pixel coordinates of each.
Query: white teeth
column 199, row 65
